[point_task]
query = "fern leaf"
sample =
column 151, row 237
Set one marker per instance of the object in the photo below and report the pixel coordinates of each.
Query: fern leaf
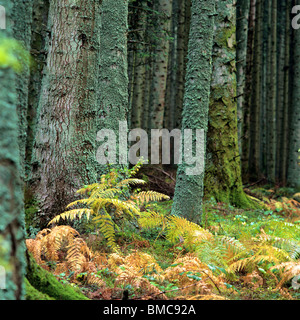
column 72, row 215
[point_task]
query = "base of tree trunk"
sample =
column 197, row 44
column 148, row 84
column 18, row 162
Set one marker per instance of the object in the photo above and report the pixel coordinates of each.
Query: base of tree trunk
column 42, row 285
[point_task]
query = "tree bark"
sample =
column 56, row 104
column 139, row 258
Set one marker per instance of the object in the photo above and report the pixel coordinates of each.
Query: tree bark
column 11, row 194
column 160, row 64
column 189, row 188
column 242, row 22
column 113, row 77
column 223, row 173
column 294, row 134
column 64, row 149
column 254, row 137
column 22, row 18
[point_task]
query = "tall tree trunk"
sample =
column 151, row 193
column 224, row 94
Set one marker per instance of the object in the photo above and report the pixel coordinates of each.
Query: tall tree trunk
column 245, row 138
column 189, row 188
column 113, row 78
column 242, row 19
column 280, row 107
column 294, row 135
column 22, row 17
column 160, row 64
column 12, row 258
column 38, row 54
column 139, row 68
column 223, row 173
column 272, row 95
column 287, row 95
column 64, row 148
column 254, row 143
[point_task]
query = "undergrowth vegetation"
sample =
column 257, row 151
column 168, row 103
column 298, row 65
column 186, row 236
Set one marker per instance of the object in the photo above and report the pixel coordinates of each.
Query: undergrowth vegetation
column 129, row 241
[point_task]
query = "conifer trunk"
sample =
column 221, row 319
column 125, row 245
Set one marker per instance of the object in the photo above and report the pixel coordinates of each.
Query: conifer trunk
column 113, row 77
column 242, row 18
column 63, row 156
column 223, row 172
column 160, row 64
column 189, row 188
column 12, row 254
column 294, row 116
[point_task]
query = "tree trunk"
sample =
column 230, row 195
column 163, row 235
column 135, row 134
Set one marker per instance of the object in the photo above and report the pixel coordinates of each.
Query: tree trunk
column 22, row 17
column 160, row 64
column 254, row 143
column 294, row 135
column 272, row 95
column 38, row 55
column 242, row 19
column 189, row 187
column 12, row 262
column 287, row 95
column 245, row 138
column 113, row 78
column 280, row 107
column 64, row 148
column 223, row 172
column 139, row 68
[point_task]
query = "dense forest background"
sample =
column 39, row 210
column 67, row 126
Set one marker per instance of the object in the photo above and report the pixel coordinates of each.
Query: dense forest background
column 71, row 68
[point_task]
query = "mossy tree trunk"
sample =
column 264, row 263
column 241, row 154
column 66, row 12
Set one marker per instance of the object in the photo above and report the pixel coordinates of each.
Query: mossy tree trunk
column 223, row 173
column 42, row 285
column 189, row 188
column 63, row 157
column 11, row 194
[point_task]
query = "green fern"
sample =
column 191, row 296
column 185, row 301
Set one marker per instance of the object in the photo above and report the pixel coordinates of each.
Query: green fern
column 110, row 201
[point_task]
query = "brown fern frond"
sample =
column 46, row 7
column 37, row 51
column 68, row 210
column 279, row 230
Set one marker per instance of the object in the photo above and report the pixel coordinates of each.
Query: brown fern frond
column 93, row 279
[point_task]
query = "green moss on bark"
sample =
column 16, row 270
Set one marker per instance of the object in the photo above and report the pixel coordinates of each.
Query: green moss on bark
column 223, row 173
column 45, row 283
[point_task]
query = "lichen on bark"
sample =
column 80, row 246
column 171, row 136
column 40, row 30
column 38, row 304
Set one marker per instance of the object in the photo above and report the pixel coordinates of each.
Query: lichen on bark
column 189, row 188
column 223, row 173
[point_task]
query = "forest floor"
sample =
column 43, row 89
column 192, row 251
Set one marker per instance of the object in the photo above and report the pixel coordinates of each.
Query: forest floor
column 248, row 255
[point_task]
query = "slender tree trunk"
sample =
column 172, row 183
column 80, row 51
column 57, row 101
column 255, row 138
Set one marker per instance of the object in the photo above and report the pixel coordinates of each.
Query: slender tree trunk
column 22, row 17
column 189, row 188
column 139, row 73
column 38, row 54
column 254, row 144
column 245, row 138
column 182, row 48
column 160, row 64
column 12, row 249
column 113, row 78
column 294, row 134
column 242, row 22
column 223, row 172
column 64, row 149
column 272, row 95
column 280, row 107
column 287, row 94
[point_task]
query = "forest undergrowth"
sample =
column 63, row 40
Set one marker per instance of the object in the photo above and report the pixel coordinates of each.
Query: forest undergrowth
column 121, row 240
